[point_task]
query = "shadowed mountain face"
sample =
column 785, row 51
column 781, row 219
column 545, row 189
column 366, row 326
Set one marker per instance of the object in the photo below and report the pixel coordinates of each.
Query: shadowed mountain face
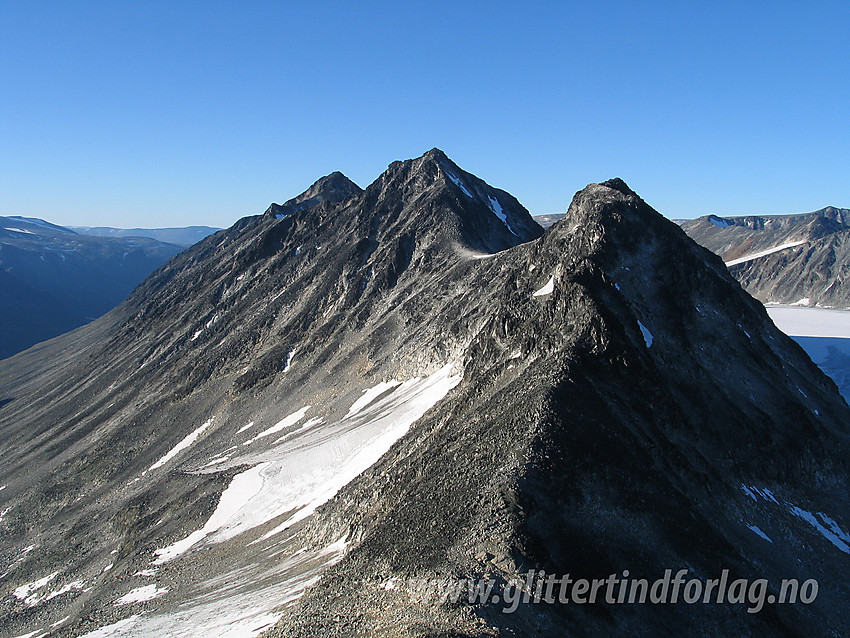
column 784, row 258
column 53, row 280
column 415, row 382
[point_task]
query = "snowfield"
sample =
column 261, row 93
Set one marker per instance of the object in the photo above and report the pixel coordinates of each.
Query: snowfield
column 305, row 471
column 824, row 334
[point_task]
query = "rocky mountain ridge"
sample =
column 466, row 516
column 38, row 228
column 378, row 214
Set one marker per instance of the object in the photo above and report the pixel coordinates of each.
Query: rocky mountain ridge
column 414, row 381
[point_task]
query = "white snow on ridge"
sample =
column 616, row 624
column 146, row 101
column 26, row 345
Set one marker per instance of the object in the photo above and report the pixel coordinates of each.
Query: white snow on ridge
column 370, row 395
column 245, row 427
column 765, row 253
column 755, row 529
column 647, row 335
column 297, row 477
column 197, row 334
column 459, row 183
column 250, row 603
column 141, row 594
column 115, row 629
column 357, row 449
column 27, row 592
column 547, row 289
column 306, row 426
column 76, row 585
column 20, row 230
column 289, row 360
column 292, row 419
column 186, row 442
column 838, row 539
column 496, row 207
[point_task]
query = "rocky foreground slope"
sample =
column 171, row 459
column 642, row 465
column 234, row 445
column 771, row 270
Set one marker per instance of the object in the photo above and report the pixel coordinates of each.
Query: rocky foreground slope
column 301, row 415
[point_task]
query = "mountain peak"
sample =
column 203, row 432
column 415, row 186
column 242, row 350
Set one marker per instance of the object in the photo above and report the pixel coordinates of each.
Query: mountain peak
column 330, row 188
column 619, row 185
column 475, row 214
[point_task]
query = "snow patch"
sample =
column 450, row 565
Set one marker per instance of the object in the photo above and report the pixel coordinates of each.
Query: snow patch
column 805, row 301
column 299, row 477
column 141, row 594
column 115, row 629
column 218, row 460
column 497, row 209
column 811, row 322
column 197, row 334
column 306, row 426
column 765, row 253
column 370, row 395
column 245, row 427
column 289, row 360
column 647, row 335
column 20, row 230
column 186, row 442
column 27, row 593
column 292, row 419
column 756, row 530
column 837, row 539
column 547, row 289
column 459, row 183
column 77, row 585
column 389, row 420
column 749, row 492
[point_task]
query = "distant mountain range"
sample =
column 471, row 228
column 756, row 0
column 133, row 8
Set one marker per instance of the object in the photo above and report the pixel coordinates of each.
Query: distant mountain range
column 293, row 422
column 785, row 259
column 183, row 237
column 53, row 279
column 547, row 220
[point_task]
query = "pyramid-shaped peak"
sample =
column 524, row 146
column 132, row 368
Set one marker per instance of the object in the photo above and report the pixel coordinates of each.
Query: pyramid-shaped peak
column 330, row 188
column 619, row 185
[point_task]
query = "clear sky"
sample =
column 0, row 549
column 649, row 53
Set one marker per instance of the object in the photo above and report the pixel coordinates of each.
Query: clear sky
column 175, row 113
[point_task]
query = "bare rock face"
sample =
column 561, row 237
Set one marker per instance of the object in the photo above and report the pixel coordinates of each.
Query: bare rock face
column 331, row 188
column 597, row 398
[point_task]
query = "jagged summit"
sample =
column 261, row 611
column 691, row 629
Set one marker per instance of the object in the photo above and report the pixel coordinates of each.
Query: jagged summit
column 479, row 217
column 331, row 188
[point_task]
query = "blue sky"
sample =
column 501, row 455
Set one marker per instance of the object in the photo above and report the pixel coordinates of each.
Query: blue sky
column 176, row 113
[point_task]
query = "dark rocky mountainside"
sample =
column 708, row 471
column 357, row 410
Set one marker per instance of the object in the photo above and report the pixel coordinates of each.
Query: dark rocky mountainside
column 736, row 237
column 53, row 280
column 331, row 188
column 414, row 381
column 815, row 273
column 784, row 258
